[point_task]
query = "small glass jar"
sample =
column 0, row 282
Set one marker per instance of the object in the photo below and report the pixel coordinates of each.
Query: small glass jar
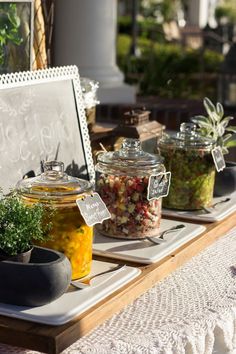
column 122, row 179
column 188, row 157
column 89, row 92
column 69, row 234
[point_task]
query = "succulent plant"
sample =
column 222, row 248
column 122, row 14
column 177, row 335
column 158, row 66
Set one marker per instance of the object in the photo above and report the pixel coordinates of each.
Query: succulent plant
column 215, row 125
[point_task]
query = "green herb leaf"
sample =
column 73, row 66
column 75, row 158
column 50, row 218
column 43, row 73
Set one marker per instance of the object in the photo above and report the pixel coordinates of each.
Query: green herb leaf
column 202, row 123
column 231, row 128
column 209, row 106
column 231, row 143
column 219, row 109
column 222, row 125
column 227, row 137
column 197, row 119
column 224, row 150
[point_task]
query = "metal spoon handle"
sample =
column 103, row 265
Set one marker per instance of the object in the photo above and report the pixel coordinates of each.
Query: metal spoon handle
column 174, row 228
column 221, row 201
column 86, row 282
column 160, row 239
column 209, row 210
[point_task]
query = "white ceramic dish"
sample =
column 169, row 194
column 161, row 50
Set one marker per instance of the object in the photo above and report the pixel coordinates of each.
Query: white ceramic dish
column 144, row 251
column 74, row 301
column 218, row 213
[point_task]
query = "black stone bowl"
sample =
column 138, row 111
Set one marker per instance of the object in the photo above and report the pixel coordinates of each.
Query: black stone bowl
column 225, row 181
column 45, row 278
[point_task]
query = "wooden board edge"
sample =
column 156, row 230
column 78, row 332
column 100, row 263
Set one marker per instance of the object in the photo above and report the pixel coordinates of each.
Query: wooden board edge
column 56, row 338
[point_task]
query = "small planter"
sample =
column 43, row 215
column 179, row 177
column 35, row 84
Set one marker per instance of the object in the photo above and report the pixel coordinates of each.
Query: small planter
column 45, row 278
column 23, row 257
column 225, row 181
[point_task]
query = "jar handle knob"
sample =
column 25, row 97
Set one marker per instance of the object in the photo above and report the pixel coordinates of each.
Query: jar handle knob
column 53, row 166
column 188, row 128
column 53, row 170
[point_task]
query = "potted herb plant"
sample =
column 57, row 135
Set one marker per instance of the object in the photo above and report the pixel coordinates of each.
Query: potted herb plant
column 20, row 225
column 216, row 126
column 47, row 274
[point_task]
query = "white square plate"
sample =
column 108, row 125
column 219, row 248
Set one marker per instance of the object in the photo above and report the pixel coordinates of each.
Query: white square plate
column 144, row 251
column 218, row 213
column 74, row 301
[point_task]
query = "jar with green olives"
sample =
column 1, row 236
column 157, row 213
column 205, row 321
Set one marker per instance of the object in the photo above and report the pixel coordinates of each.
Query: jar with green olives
column 188, row 156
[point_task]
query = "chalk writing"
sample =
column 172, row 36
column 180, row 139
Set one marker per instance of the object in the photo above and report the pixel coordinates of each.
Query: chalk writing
column 93, row 209
column 218, row 158
column 158, row 185
column 38, row 122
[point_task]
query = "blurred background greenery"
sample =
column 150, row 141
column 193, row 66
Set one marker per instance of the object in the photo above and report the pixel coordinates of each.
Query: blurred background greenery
column 172, row 59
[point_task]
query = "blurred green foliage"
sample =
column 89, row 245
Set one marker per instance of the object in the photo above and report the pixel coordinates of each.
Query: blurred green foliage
column 169, row 70
column 164, row 10
column 147, row 28
column 9, row 28
column 226, row 10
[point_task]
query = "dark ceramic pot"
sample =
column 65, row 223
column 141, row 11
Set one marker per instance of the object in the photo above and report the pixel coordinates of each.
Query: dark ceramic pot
column 45, row 278
column 23, row 257
column 225, row 181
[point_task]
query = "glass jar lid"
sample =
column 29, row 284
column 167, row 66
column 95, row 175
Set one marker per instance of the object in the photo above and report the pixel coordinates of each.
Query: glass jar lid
column 53, row 182
column 130, row 155
column 187, row 137
column 89, row 92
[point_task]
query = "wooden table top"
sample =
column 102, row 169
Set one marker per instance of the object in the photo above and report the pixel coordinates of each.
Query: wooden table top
column 54, row 339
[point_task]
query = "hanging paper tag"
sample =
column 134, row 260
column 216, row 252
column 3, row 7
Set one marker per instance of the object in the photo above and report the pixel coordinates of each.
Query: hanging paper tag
column 218, row 158
column 93, row 209
column 158, row 185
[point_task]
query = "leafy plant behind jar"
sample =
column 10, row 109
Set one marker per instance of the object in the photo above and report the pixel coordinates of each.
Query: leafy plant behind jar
column 215, row 125
column 20, row 224
column 9, row 28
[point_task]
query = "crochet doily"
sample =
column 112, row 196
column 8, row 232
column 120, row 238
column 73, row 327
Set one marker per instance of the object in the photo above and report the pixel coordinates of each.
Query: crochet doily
column 187, row 312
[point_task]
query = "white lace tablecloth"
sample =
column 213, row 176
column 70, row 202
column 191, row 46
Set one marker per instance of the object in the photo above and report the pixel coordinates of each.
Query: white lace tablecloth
column 193, row 310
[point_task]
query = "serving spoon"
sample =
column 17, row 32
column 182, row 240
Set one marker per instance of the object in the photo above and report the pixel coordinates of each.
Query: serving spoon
column 160, row 238
column 209, row 210
column 86, row 283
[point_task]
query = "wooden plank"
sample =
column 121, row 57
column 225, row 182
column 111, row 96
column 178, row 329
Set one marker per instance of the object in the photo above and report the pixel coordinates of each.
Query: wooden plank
column 54, row 339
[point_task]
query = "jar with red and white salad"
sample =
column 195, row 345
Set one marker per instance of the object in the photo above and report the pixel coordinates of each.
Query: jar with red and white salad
column 123, row 180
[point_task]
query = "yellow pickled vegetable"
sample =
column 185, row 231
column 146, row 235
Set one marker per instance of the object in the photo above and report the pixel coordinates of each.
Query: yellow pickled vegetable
column 71, row 236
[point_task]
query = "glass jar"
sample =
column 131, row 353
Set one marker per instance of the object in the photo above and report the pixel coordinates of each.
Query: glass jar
column 188, row 156
column 89, row 92
column 122, row 179
column 69, row 234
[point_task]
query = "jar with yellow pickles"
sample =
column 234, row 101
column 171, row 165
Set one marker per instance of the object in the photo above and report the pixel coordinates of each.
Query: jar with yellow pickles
column 69, row 233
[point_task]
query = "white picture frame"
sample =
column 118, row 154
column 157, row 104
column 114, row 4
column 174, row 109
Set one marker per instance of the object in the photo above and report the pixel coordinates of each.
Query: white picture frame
column 43, row 118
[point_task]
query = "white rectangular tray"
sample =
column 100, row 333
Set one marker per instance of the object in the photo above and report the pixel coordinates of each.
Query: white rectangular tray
column 218, row 213
column 74, row 301
column 143, row 251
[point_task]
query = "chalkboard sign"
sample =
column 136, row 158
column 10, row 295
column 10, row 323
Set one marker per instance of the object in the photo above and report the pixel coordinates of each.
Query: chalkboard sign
column 158, row 185
column 93, row 209
column 218, row 158
column 42, row 118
